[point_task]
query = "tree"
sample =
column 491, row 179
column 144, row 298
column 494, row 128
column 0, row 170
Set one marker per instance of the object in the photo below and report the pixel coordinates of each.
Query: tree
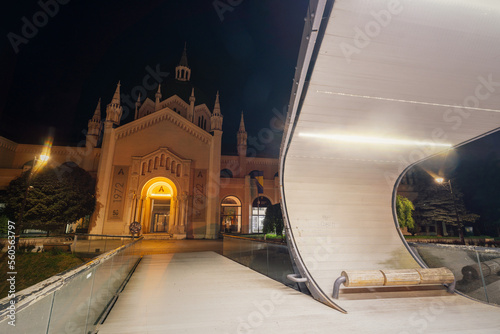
column 56, row 197
column 273, row 221
column 437, row 204
column 404, row 209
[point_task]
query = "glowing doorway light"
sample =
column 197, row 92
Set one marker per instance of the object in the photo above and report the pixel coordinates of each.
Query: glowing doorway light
column 373, row 140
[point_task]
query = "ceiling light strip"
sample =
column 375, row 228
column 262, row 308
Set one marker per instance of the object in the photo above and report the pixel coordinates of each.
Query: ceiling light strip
column 373, row 140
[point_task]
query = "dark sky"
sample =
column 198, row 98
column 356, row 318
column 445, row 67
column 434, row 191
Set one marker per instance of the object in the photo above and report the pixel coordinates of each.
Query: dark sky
column 78, row 55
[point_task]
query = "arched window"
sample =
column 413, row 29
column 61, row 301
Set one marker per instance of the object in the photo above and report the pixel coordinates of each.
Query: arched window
column 178, row 170
column 172, row 167
column 156, row 163
column 254, row 173
column 259, row 208
column 143, row 168
column 162, row 160
column 226, row 173
column 204, row 124
column 150, row 165
column 230, row 215
column 167, row 164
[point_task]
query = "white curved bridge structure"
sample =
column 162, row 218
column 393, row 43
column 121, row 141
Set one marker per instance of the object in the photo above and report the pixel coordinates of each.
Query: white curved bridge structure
column 380, row 86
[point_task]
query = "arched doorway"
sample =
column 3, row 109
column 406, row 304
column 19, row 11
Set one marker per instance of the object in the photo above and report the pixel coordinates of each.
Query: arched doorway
column 230, row 215
column 259, row 207
column 159, row 207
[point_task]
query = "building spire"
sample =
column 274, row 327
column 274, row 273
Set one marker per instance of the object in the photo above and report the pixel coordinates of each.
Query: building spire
column 183, row 71
column 137, row 105
column 216, row 119
column 184, row 59
column 94, row 125
column 97, row 112
column 242, row 124
column 158, row 98
column 216, row 105
column 241, row 137
column 116, row 97
column 114, row 109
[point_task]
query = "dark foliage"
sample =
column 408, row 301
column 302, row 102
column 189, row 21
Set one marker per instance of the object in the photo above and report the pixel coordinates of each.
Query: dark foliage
column 273, row 222
column 57, row 196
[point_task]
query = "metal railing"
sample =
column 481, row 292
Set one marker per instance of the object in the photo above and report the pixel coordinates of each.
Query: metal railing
column 73, row 301
column 97, row 243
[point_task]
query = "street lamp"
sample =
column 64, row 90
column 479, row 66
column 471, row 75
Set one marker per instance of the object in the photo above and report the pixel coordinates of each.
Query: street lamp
column 442, row 181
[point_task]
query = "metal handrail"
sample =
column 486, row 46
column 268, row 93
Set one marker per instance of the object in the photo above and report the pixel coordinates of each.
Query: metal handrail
column 297, row 278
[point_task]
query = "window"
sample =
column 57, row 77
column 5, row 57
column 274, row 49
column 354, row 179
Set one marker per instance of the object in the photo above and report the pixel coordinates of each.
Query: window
column 259, row 208
column 230, row 215
column 226, row 173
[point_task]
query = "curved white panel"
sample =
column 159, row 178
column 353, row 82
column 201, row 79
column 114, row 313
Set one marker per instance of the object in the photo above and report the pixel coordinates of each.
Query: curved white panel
column 393, row 82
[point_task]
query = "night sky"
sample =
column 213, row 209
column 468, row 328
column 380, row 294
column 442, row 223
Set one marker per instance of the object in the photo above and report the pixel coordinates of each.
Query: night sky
column 77, row 56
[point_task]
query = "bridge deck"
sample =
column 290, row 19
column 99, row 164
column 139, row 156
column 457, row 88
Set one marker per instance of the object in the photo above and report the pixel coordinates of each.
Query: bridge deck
column 205, row 292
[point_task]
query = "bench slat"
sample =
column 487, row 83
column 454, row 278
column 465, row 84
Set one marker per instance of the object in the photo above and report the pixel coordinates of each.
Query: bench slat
column 363, row 278
column 435, row 275
column 401, row 277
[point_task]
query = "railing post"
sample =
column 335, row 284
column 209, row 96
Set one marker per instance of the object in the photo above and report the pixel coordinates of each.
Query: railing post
column 74, row 243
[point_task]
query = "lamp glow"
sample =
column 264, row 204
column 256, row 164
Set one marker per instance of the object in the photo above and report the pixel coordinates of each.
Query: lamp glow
column 439, row 179
column 44, row 157
column 373, row 140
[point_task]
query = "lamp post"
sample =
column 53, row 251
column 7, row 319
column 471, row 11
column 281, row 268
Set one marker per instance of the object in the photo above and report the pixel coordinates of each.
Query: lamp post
column 441, row 180
column 42, row 160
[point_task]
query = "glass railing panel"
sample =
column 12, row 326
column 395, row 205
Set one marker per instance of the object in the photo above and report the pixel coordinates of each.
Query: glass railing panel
column 102, row 293
column 493, row 279
column 476, row 269
column 280, row 264
column 270, row 259
column 71, row 304
column 33, row 319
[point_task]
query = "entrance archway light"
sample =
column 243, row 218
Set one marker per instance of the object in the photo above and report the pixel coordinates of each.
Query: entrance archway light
column 372, row 140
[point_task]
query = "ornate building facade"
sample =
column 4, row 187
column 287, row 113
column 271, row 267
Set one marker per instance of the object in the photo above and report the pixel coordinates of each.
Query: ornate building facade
column 164, row 169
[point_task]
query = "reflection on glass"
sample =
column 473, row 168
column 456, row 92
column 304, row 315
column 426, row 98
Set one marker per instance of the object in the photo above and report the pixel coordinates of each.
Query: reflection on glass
column 477, row 270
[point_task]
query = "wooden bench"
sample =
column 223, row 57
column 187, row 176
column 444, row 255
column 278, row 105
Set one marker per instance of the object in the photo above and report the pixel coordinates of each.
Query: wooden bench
column 395, row 277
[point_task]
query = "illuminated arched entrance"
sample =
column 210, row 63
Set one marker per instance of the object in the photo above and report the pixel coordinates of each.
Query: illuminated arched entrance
column 159, row 209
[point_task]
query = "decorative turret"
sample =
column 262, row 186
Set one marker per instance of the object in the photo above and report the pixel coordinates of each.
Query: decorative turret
column 242, row 138
column 182, row 71
column 137, row 106
column 190, row 113
column 95, row 122
column 93, row 134
column 114, row 110
column 216, row 119
column 158, row 98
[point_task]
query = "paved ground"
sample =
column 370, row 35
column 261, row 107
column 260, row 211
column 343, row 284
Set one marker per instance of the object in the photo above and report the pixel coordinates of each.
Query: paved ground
column 204, row 292
column 179, row 246
column 151, row 246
